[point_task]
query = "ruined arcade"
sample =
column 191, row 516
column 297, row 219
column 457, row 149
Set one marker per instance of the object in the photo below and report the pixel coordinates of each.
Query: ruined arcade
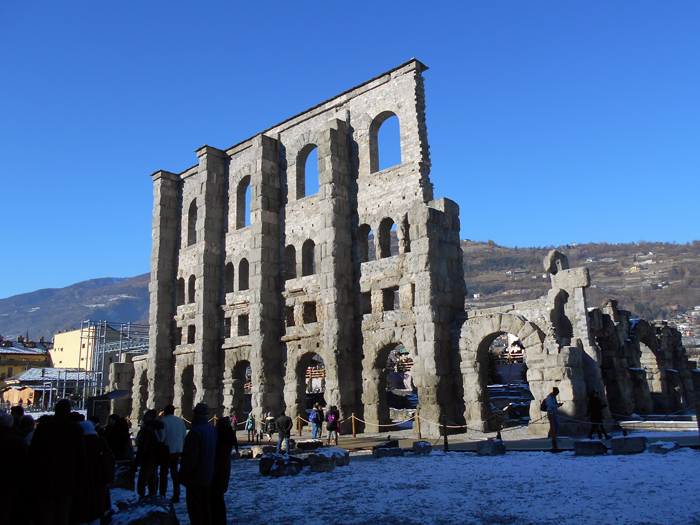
column 290, row 277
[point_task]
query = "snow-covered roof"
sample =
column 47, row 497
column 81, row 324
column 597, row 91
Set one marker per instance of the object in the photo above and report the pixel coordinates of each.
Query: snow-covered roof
column 19, row 348
column 48, row 374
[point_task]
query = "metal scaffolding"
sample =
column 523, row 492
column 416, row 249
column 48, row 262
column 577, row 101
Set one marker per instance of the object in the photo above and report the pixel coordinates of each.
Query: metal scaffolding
column 105, row 342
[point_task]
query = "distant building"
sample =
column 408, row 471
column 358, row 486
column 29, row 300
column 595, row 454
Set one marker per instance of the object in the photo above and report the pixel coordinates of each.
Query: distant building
column 77, row 348
column 41, row 387
column 16, row 357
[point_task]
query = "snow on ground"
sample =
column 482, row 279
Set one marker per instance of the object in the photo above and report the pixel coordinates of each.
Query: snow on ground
column 516, row 488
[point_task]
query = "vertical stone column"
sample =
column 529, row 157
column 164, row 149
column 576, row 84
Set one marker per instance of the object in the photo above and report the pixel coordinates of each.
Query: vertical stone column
column 208, row 361
column 267, row 353
column 440, row 290
column 336, row 269
column 166, row 237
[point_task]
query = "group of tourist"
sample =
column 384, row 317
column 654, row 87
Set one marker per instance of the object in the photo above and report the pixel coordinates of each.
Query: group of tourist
column 283, row 425
column 550, row 405
column 71, row 467
column 198, row 459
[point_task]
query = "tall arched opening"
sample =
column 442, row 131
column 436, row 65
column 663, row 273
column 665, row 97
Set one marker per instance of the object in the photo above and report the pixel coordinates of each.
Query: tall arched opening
column 241, row 376
column 185, row 391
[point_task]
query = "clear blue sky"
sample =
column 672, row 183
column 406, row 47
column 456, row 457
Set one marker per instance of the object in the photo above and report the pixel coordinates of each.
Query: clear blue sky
column 549, row 122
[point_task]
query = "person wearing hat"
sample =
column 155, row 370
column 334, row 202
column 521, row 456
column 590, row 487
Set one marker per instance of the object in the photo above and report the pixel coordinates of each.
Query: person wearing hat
column 197, row 465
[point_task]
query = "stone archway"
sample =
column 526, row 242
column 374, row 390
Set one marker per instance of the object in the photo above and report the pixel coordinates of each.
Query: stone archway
column 296, row 386
column 476, row 337
column 374, row 379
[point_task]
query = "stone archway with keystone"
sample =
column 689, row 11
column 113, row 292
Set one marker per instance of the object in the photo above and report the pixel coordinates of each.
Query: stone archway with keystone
column 476, row 337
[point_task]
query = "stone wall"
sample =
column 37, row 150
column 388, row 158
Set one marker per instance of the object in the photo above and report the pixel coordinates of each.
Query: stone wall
column 267, row 286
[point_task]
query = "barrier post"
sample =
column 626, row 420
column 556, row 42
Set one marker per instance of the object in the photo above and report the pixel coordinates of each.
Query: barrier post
column 354, row 434
column 299, row 424
column 444, row 430
column 418, row 421
column 214, row 419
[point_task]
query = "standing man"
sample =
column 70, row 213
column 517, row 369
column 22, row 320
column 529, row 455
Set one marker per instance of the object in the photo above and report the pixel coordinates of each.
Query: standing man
column 175, row 432
column 316, row 418
column 58, row 465
column 284, row 427
column 595, row 415
column 552, row 409
column 147, row 453
column 197, row 465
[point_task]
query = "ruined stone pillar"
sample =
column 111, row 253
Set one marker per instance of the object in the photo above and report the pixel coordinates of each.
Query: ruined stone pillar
column 208, row 360
column 440, row 289
column 166, row 239
column 267, row 351
column 336, row 270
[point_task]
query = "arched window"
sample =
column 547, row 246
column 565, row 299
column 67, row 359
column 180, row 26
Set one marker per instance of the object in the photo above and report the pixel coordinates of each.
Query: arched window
column 386, row 247
column 363, row 243
column 243, row 268
column 191, row 289
column 192, row 224
column 243, row 203
column 307, row 171
column 384, row 134
column 191, row 330
column 228, row 278
column 308, row 260
column 290, row 262
column 180, row 292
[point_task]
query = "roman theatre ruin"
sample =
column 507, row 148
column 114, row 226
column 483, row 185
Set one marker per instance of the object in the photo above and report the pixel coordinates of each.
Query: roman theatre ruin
column 250, row 293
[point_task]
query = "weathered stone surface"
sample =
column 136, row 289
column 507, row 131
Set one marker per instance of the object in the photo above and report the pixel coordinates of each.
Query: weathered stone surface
column 310, row 444
column 151, row 510
column 259, row 451
column 491, row 447
column 278, row 465
column 628, row 445
column 589, row 447
column 422, row 447
column 342, row 456
column 663, row 447
column 296, row 275
column 246, row 453
column 387, row 452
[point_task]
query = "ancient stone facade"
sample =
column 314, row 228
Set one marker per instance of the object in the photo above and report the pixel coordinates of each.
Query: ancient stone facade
column 270, row 284
column 636, row 366
column 297, row 280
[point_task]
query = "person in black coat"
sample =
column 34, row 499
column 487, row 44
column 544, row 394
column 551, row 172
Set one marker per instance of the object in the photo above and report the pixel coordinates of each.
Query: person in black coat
column 284, row 427
column 197, row 465
column 94, row 501
column 595, row 415
column 225, row 443
column 147, row 453
column 57, row 464
column 13, row 457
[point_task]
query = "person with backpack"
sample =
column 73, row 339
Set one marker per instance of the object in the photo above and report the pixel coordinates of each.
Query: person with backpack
column 316, row 420
column 250, row 427
column 332, row 419
column 551, row 406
